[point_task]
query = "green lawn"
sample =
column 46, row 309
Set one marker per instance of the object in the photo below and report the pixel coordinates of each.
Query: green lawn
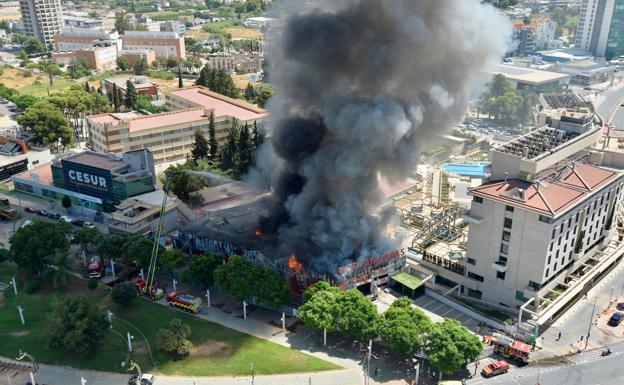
column 42, row 89
column 218, row 351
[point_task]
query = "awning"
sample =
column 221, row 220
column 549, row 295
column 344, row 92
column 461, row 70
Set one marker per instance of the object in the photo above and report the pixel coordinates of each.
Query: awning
column 407, row 280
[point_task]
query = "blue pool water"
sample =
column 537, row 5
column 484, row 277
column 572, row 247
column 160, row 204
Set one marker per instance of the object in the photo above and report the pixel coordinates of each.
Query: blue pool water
column 467, row 169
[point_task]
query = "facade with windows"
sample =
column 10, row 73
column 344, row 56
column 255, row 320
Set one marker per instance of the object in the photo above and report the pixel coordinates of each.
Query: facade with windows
column 601, row 28
column 42, row 19
column 615, row 41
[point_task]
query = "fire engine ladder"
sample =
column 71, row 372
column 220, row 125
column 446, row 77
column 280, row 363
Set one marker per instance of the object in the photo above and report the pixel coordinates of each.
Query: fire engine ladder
column 152, row 266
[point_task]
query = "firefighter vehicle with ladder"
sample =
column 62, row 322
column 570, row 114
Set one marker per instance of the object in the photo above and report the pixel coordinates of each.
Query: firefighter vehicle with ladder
column 509, row 348
column 95, row 267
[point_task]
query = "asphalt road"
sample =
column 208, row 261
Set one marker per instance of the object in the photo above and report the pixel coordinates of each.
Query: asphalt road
column 608, row 101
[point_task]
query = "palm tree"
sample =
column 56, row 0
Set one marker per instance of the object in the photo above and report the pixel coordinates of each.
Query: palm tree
column 60, row 268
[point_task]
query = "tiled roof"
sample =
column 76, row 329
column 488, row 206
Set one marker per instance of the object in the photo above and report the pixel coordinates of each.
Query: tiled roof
column 166, row 119
column 105, row 118
column 222, row 105
column 552, row 195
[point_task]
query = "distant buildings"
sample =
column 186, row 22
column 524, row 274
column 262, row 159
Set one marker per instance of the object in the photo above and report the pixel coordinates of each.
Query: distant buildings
column 601, row 28
column 586, row 72
column 42, row 19
column 545, row 32
column 140, row 214
column 164, row 44
column 142, row 85
column 532, row 80
column 241, row 63
column 258, row 22
column 72, row 39
column 523, row 40
column 169, row 135
column 137, row 55
column 99, row 58
column 17, row 156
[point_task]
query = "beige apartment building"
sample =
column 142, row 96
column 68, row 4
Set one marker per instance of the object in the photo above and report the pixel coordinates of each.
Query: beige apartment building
column 169, row 135
column 42, row 19
column 164, row 44
column 73, row 39
column 99, row 59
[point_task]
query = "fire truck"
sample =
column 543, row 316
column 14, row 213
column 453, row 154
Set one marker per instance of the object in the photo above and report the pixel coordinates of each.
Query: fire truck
column 184, row 301
column 154, row 293
column 509, row 348
column 495, row 368
column 95, row 268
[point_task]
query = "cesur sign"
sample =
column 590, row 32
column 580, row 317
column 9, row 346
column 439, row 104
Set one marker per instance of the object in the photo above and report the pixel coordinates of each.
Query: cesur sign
column 84, row 177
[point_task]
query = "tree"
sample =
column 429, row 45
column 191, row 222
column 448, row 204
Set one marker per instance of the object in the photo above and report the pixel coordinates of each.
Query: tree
column 139, row 249
column 219, row 81
column 49, row 68
column 116, row 102
column 85, row 237
column 184, row 184
column 450, row 345
column 404, row 328
column 200, row 146
column 229, row 151
column 175, row 339
column 212, row 138
column 66, row 201
column 123, row 293
column 34, row 246
column 318, row 287
column 201, row 270
column 60, row 268
column 319, row 311
column 180, row 81
column 23, row 102
column 356, row 316
column 131, row 95
column 32, row 45
column 140, row 67
column 245, row 151
column 122, row 24
column 122, row 63
column 266, row 92
column 77, row 326
column 250, row 93
column 192, row 62
column 171, row 62
column 237, row 277
column 110, row 245
column 169, row 260
column 271, row 289
column 48, row 124
column 257, row 136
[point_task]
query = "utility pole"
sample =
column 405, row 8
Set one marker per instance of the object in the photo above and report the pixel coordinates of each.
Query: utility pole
column 324, row 336
column 244, row 309
column 610, row 297
column 253, row 376
column 284, row 322
column 130, row 337
column 174, row 284
column 21, row 314
column 112, row 263
column 370, row 353
column 109, row 314
column 208, row 296
column 14, row 285
column 591, row 321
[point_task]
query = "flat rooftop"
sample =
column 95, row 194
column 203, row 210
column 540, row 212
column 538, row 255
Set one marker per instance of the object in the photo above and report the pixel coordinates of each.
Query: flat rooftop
column 528, row 75
column 94, row 159
column 139, row 82
column 555, row 193
column 222, row 105
column 41, row 174
column 537, row 143
column 148, row 122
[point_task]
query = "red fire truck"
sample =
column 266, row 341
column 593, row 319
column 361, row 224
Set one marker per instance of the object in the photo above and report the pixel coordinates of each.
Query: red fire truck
column 154, row 294
column 184, row 301
column 509, row 348
column 95, row 268
column 495, row 368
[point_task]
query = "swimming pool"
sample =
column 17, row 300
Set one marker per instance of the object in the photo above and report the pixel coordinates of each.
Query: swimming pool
column 467, row 169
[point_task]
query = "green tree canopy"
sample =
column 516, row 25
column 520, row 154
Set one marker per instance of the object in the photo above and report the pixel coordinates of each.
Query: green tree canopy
column 271, row 289
column 77, row 326
column 450, row 345
column 110, row 245
column 200, row 146
column 319, row 311
column 175, row 339
column 245, row 151
column 140, row 67
column 201, row 270
column 66, row 201
column 122, row 63
column 34, row 247
column 237, row 277
column 317, row 287
column 123, row 293
column 48, row 124
column 131, row 95
column 404, row 328
column 219, row 81
column 266, row 92
column 356, row 315
column 170, row 260
column 85, row 237
column 229, row 152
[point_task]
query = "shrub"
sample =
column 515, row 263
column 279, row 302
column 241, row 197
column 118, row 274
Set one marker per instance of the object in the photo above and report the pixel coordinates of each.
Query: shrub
column 33, row 287
column 92, row 284
column 123, row 293
column 174, row 340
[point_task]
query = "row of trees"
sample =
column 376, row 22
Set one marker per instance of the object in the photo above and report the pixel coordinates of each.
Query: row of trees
column 405, row 329
column 502, row 102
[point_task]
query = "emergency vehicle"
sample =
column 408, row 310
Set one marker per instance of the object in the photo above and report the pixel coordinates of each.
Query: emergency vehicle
column 509, row 348
column 95, row 268
column 184, row 301
column 495, row 368
column 154, row 294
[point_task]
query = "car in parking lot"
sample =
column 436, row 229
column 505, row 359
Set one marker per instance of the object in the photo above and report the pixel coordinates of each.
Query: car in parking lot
column 88, row 225
column 66, row 219
column 55, row 216
column 77, row 222
column 29, row 209
column 43, row 213
column 620, row 306
column 616, row 319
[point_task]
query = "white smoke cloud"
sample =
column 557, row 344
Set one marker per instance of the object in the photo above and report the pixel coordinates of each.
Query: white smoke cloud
column 363, row 86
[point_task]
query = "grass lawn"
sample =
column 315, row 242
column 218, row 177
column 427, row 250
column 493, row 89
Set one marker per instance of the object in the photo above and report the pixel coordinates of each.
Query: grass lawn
column 36, row 84
column 42, row 89
column 218, row 351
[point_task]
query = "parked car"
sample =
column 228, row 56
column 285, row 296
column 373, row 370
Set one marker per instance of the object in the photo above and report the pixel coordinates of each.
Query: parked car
column 616, row 319
column 620, row 306
column 66, row 218
column 42, row 213
column 88, row 225
column 29, row 209
column 495, row 368
column 77, row 222
column 55, row 216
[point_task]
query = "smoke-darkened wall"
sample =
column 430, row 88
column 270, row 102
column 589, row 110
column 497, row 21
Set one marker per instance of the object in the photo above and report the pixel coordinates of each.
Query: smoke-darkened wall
column 362, row 85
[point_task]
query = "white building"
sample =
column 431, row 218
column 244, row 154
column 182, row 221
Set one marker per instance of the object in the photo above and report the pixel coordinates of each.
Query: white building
column 545, row 33
column 592, row 32
column 164, row 44
column 73, row 39
column 42, row 19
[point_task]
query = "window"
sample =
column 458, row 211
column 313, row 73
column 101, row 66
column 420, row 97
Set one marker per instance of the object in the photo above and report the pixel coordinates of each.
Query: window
column 474, row 276
column 474, row 293
column 570, row 222
column 502, row 259
column 549, row 259
column 500, row 275
column 546, row 273
column 472, row 261
column 545, row 219
column 506, row 236
column 477, row 199
column 520, row 296
column 504, row 248
column 534, row 285
column 507, row 223
column 509, row 208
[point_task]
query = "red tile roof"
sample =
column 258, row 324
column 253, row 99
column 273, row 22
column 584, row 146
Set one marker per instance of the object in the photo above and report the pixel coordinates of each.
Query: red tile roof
column 166, row 119
column 550, row 196
column 105, row 118
column 222, row 105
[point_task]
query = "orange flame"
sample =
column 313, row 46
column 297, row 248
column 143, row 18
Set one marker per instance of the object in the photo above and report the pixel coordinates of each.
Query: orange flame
column 294, row 264
column 258, row 232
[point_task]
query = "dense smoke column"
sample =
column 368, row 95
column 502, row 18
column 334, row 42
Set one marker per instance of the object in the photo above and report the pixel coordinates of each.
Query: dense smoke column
column 363, row 85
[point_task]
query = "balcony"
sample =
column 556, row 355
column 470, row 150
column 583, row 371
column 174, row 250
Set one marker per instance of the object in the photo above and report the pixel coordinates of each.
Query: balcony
column 499, row 266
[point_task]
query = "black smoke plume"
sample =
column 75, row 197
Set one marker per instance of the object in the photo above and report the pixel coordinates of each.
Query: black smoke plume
column 362, row 86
